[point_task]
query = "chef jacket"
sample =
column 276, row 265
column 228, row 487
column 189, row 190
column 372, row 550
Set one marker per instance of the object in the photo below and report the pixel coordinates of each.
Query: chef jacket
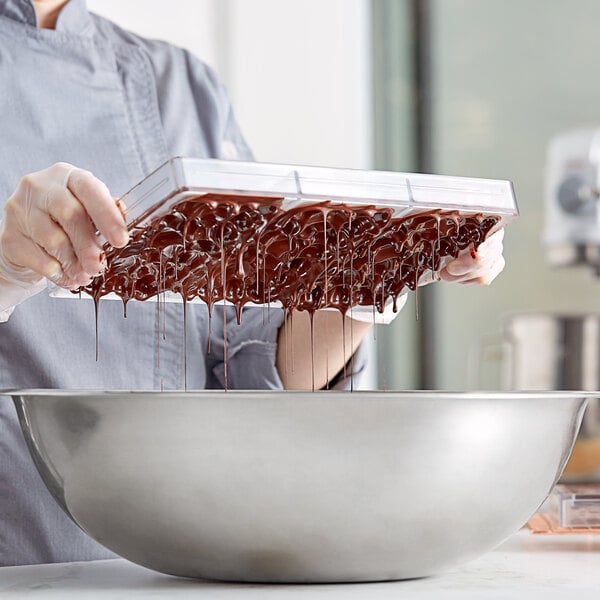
column 116, row 104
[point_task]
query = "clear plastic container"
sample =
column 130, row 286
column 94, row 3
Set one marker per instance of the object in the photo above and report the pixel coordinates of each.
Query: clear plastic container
column 180, row 178
column 290, row 186
column 578, row 505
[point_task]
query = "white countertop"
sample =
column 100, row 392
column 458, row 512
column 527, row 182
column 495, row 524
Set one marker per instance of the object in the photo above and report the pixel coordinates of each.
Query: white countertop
column 526, row 566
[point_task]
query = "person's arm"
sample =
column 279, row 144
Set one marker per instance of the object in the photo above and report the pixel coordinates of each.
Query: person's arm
column 48, row 230
column 321, row 354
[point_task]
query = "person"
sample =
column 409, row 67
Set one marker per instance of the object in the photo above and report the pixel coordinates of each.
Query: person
column 87, row 107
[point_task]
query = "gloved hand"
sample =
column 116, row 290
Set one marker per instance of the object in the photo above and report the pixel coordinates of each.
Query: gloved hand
column 49, row 230
column 482, row 269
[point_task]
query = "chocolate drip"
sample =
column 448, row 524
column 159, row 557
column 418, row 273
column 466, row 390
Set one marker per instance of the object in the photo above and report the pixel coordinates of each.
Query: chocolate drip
column 249, row 249
column 241, row 249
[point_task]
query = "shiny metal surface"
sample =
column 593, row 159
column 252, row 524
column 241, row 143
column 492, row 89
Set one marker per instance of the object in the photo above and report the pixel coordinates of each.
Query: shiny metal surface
column 297, row 487
column 553, row 351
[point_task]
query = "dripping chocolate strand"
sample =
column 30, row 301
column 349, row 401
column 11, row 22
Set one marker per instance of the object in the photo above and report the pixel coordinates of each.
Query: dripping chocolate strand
column 344, row 342
column 311, row 315
column 96, row 307
column 184, row 342
column 158, row 335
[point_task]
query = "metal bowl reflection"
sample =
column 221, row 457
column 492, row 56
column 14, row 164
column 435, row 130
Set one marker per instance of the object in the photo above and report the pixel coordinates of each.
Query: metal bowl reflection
column 299, row 487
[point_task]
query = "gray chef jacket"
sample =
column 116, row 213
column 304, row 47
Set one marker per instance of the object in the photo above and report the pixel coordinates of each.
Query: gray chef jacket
column 119, row 105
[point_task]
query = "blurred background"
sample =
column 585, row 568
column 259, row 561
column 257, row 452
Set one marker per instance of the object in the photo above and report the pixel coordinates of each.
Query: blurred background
column 459, row 87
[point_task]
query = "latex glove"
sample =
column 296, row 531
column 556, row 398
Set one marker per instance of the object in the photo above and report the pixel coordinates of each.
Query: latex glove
column 481, row 269
column 49, row 231
column 15, row 290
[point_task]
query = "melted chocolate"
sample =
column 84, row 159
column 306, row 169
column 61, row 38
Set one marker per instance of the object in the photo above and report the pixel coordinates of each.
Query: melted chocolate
column 248, row 249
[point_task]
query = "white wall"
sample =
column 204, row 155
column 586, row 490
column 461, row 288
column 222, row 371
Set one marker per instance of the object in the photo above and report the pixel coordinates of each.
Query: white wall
column 298, row 71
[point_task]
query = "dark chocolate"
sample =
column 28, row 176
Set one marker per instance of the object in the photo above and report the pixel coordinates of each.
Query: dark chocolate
column 316, row 255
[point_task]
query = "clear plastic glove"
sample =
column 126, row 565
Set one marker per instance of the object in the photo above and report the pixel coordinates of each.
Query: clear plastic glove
column 482, row 268
column 49, row 231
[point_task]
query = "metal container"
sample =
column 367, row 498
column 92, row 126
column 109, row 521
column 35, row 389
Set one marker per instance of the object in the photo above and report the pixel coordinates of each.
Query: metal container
column 299, row 487
column 560, row 352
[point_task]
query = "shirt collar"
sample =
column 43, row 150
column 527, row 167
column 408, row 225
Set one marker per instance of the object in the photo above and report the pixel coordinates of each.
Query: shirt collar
column 74, row 18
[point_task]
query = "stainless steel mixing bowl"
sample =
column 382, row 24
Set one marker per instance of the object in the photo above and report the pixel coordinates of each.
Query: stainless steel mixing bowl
column 299, row 487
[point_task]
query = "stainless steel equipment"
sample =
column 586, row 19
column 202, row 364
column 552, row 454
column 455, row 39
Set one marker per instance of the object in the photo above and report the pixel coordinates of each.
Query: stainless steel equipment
column 572, row 231
column 547, row 351
column 558, row 351
column 299, row 487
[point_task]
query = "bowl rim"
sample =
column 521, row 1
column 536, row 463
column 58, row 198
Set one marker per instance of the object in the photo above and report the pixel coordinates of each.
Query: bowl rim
column 423, row 395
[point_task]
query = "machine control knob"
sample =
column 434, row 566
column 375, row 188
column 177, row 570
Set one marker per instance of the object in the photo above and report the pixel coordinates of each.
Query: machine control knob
column 577, row 194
